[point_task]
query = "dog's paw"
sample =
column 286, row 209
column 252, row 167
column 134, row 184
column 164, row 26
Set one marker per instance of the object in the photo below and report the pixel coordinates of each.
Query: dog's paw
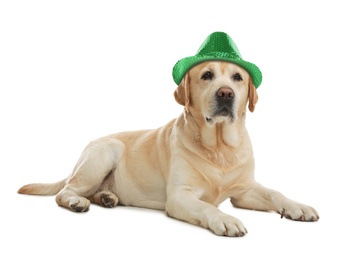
column 105, row 199
column 299, row 212
column 225, row 225
column 79, row 204
column 108, row 200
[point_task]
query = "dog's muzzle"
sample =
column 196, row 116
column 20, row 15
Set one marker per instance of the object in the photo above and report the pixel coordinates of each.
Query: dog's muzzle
column 224, row 100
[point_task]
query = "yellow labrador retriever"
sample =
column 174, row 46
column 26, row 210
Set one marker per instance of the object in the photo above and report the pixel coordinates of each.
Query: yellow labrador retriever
column 186, row 167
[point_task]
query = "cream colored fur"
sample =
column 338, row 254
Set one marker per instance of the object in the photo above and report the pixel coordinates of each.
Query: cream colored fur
column 187, row 167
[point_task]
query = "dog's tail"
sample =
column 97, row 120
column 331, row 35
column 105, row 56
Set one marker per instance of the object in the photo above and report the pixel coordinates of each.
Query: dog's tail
column 42, row 188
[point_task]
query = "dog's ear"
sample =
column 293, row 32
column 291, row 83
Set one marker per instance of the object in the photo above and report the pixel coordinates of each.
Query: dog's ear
column 182, row 93
column 252, row 96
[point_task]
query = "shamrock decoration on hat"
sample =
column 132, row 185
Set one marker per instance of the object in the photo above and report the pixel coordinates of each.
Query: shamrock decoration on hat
column 217, row 46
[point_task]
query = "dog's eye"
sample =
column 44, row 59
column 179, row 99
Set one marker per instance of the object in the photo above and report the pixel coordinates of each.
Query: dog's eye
column 208, row 75
column 237, row 77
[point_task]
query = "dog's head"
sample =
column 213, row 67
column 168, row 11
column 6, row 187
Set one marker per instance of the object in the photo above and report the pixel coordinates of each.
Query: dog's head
column 217, row 91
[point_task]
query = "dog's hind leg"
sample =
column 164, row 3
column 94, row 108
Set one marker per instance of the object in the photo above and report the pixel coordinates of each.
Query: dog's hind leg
column 104, row 196
column 106, row 199
column 96, row 162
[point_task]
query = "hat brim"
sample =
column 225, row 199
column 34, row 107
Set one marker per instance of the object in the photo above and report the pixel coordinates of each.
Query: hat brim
column 184, row 65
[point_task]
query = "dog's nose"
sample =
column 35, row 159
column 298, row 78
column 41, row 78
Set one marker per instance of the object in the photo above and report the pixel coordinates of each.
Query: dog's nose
column 225, row 93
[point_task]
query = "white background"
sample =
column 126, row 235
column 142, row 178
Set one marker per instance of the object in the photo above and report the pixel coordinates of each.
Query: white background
column 72, row 71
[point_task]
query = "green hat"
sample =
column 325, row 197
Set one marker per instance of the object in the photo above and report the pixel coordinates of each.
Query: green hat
column 217, row 46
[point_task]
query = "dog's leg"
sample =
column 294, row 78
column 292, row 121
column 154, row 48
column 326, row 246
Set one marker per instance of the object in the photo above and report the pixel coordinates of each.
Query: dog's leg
column 97, row 161
column 185, row 205
column 261, row 198
column 104, row 197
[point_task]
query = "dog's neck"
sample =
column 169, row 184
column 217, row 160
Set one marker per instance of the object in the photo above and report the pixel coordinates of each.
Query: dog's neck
column 223, row 135
column 223, row 144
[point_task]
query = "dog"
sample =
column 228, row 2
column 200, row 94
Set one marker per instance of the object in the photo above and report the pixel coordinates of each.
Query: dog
column 187, row 167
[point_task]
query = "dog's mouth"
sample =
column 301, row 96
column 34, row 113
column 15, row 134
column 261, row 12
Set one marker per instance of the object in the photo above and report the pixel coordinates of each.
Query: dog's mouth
column 222, row 107
column 221, row 114
column 224, row 111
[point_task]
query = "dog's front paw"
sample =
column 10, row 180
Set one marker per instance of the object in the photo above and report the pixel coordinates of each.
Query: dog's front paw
column 299, row 212
column 225, row 225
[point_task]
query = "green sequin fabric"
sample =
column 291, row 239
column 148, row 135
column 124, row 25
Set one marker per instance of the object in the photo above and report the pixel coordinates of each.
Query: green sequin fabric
column 217, row 46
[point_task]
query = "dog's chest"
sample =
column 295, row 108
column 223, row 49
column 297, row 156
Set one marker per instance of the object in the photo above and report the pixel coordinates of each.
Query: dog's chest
column 227, row 159
column 225, row 174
